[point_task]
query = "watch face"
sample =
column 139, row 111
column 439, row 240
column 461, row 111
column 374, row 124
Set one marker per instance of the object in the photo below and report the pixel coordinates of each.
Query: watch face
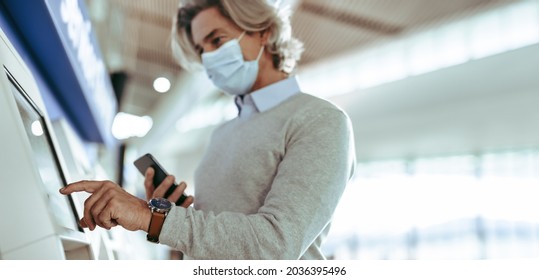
column 160, row 203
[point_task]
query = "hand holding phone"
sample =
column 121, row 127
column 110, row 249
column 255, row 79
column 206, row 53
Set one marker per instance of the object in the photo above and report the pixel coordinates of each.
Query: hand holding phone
column 146, row 161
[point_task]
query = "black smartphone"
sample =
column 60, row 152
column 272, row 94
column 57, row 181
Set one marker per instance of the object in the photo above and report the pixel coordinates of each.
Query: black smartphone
column 147, row 160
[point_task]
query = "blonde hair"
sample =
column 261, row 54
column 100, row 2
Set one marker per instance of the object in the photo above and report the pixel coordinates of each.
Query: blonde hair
column 251, row 16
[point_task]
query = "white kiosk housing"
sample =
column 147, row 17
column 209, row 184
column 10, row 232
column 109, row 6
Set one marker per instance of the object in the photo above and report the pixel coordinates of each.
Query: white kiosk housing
column 37, row 221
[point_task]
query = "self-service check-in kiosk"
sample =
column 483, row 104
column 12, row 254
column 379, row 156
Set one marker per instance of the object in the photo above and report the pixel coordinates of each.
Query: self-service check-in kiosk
column 37, row 221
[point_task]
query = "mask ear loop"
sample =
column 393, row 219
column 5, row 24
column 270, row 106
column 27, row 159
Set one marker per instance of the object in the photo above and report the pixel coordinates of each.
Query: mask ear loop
column 261, row 49
column 241, row 36
column 260, row 53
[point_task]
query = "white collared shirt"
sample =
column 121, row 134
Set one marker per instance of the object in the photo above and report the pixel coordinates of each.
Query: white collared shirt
column 266, row 98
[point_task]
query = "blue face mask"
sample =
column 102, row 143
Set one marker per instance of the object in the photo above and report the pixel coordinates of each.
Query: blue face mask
column 228, row 70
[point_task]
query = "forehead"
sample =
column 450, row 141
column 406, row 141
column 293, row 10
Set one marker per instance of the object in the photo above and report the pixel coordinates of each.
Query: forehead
column 207, row 21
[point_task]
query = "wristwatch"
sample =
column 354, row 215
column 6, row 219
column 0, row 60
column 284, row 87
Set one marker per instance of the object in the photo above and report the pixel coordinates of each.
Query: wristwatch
column 160, row 208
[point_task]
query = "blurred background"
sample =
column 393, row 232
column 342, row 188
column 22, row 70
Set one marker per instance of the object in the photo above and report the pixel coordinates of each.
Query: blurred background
column 443, row 98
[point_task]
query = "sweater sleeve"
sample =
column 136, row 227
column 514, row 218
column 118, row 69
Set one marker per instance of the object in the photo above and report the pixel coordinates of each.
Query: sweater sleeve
column 317, row 165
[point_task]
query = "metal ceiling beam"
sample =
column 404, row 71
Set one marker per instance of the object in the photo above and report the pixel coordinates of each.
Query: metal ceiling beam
column 351, row 19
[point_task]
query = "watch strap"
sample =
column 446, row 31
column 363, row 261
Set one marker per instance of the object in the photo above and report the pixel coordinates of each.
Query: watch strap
column 156, row 223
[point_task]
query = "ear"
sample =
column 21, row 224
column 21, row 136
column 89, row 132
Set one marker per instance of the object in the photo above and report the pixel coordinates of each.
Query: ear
column 264, row 36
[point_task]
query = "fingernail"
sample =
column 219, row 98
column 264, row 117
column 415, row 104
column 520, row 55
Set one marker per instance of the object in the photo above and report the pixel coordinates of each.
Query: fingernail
column 62, row 189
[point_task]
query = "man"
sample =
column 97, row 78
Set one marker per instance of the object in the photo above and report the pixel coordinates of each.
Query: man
column 271, row 178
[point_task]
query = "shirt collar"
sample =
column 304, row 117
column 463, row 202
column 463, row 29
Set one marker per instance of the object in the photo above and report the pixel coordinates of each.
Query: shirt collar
column 268, row 97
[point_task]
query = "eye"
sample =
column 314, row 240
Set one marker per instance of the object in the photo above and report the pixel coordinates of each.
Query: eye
column 217, row 41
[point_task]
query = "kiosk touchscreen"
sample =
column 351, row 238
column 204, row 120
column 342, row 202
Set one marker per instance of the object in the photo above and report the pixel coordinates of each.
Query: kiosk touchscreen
column 46, row 158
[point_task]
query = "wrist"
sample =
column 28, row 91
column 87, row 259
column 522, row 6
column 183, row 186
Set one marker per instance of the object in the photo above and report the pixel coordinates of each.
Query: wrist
column 146, row 219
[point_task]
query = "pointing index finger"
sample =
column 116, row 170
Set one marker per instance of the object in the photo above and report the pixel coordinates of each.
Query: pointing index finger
column 85, row 185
